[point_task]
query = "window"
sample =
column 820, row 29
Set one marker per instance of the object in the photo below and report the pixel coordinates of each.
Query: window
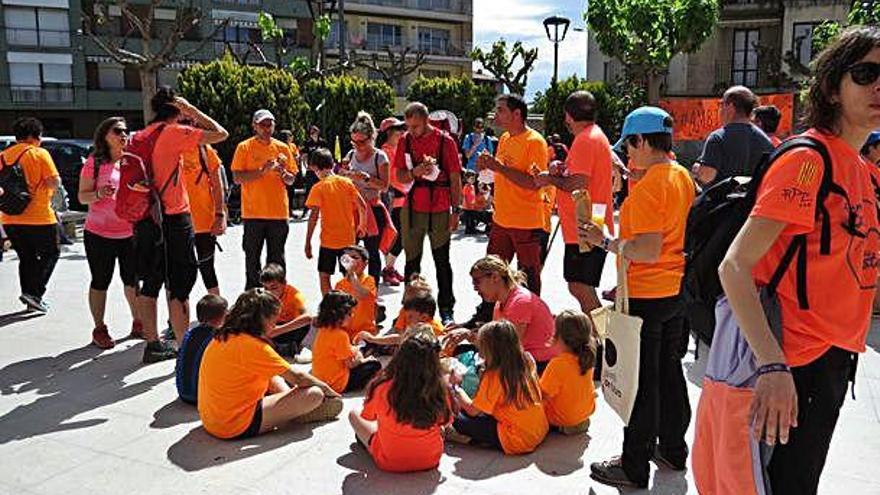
column 111, row 77
column 34, row 82
column 167, row 77
column 434, row 41
column 745, row 57
column 434, row 4
column 37, row 27
column 428, row 73
column 802, row 41
column 381, row 35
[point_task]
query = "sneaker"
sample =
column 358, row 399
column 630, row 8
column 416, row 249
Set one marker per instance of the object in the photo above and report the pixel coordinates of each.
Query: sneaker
column 388, row 277
column 101, row 337
column 397, row 275
column 34, row 303
column 304, row 356
column 137, row 330
column 665, row 462
column 576, row 429
column 611, row 473
column 327, row 411
column 168, row 333
column 158, row 351
column 446, row 318
column 452, row 435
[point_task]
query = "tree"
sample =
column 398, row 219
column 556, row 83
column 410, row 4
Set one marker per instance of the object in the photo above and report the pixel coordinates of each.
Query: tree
column 459, row 95
column 156, row 43
column 500, row 64
column 395, row 68
column 646, row 34
column 231, row 92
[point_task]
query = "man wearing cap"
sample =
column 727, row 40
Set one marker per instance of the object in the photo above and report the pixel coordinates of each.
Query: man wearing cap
column 737, row 148
column 871, row 149
column 652, row 225
column 264, row 167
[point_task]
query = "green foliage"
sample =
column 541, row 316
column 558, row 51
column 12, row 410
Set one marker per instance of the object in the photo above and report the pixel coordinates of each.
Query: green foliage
column 335, row 102
column 269, row 30
column 230, row 93
column 322, row 27
column 500, row 64
column 863, row 12
column 459, row 95
column 823, row 34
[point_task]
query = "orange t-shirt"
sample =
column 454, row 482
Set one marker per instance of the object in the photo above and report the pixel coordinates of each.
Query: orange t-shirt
column 590, row 156
column 436, row 326
column 174, row 140
column 469, row 196
column 517, row 207
column 568, row 395
column 336, row 197
column 400, row 447
column 266, row 197
column 659, row 203
column 37, row 166
column 330, row 355
column 294, row 152
column 233, row 377
column 293, row 304
column 363, row 318
column 198, row 186
column 840, row 285
column 520, row 430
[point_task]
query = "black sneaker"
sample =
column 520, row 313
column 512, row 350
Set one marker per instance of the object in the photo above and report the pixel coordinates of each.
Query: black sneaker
column 168, row 333
column 665, row 462
column 446, row 317
column 158, row 351
column 34, row 303
column 611, row 473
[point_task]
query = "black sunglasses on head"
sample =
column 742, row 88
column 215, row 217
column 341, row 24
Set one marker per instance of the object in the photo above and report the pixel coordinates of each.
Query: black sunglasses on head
column 864, row 73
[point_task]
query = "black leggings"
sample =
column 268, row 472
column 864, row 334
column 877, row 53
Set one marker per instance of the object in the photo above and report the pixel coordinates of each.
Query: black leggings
column 361, row 375
column 103, row 253
column 397, row 248
column 372, row 245
column 205, row 244
column 482, row 429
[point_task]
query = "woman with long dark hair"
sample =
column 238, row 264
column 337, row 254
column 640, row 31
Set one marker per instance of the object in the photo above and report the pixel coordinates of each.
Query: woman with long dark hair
column 108, row 238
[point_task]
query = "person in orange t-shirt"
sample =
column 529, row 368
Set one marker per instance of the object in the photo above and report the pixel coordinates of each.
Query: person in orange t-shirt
column 201, row 173
column 518, row 220
column 506, row 416
column 405, row 409
column 567, row 384
column 420, row 308
column 245, row 386
column 588, row 167
column 342, row 211
column 652, row 225
column 264, row 167
column 362, row 287
column 293, row 321
column 32, row 232
column 334, row 359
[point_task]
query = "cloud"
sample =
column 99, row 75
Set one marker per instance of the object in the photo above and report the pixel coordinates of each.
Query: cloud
column 521, row 20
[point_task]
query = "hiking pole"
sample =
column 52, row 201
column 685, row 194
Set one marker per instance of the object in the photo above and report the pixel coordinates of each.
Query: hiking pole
column 550, row 244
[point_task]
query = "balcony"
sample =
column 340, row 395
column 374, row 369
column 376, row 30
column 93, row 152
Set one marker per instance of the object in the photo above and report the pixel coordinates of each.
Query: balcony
column 440, row 10
column 43, row 38
column 738, row 11
column 462, row 51
column 35, row 95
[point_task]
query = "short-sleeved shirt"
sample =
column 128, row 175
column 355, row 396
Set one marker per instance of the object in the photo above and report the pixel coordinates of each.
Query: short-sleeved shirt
column 590, row 155
column 266, row 197
column 370, row 166
column 840, row 285
column 469, row 197
column 659, row 203
column 37, row 166
column 330, row 354
column 400, row 447
column 336, row 197
column 517, row 207
column 233, row 377
column 363, row 318
column 735, row 149
column 429, row 199
column 174, row 140
column 198, row 186
column 293, row 304
column 102, row 219
column 568, row 395
column 484, row 144
column 520, row 430
column 524, row 307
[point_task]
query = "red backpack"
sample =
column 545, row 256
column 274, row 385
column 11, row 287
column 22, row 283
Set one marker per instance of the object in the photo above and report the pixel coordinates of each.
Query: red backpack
column 133, row 204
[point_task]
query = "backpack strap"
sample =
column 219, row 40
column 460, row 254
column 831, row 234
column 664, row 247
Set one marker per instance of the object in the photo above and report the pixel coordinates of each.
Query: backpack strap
column 3, row 163
column 203, row 162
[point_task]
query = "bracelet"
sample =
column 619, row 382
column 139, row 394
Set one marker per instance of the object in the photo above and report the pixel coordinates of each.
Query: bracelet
column 773, row 368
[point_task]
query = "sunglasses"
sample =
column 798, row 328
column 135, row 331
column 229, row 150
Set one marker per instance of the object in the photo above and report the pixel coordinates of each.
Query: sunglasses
column 359, row 142
column 120, row 131
column 864, row 73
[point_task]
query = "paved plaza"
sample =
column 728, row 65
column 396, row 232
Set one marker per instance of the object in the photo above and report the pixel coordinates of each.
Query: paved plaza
column 76, row 420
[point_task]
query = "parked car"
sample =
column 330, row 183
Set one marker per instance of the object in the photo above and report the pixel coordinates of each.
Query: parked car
column 7, row 141
column 69, row 156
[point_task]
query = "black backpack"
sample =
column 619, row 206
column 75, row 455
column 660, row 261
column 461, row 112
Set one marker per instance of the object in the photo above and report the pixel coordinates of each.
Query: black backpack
column 715, row 219
column 16, row 197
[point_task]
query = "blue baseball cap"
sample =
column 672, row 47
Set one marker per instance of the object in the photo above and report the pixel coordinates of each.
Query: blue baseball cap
column 873, row 138
column 643, row 120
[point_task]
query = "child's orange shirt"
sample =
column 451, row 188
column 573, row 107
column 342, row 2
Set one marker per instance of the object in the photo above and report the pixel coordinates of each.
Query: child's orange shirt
column 330, row 355
column 520, row 430
column 293, row 304
column 470, row 197
column 336, row 198
column 568, row 395
column 363, row 319
column 436, row 325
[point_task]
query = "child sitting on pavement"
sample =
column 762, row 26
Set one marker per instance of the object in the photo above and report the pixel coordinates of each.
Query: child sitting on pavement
column 567, row 384
column 293, row 321
column 362, row 287
column 211, row 313
column 420, row 308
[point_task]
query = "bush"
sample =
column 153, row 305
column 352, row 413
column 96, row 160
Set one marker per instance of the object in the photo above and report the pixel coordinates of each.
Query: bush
column 335, row 101
column 459, row 95
column 230, row 93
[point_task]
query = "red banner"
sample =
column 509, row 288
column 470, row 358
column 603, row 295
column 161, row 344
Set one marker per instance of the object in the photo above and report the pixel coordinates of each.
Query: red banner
column 695, row 118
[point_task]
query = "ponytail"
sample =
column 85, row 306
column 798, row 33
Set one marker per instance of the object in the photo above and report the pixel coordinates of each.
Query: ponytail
column 575, row 330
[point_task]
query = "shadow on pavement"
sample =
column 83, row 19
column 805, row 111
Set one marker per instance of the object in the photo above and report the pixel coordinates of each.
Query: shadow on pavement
column 71, row 383
column 567, row 454
column 174, row 413
column 23, row 315
column 477, row 463
column 368, row 479
column 198, row 450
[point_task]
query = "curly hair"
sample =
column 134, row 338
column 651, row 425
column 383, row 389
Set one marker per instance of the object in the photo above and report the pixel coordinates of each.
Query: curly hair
column 249, row 314
column 334, row 308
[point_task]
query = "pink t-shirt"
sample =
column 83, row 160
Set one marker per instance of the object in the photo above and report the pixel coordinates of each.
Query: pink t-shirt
column 523, row 307
column 102, row 219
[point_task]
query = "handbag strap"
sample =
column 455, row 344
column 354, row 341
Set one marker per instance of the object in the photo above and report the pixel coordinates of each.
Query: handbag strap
column 621, row 299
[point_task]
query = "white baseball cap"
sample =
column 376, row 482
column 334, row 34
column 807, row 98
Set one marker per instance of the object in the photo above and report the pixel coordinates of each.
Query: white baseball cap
column 263, row 114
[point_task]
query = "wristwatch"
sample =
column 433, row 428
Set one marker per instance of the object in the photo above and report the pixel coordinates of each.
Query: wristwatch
column 456, row 210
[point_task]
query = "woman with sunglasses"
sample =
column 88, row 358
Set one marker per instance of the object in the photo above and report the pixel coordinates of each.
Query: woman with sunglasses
column 108, row 238
column 368, row 166
column 805, row 359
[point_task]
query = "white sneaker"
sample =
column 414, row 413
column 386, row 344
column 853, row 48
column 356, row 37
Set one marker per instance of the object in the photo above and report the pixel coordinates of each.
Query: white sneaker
column 304, row 356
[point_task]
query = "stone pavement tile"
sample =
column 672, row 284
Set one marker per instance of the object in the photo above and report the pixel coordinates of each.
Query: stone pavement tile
column 847, row 485
column 854, row 451
column 41, row 460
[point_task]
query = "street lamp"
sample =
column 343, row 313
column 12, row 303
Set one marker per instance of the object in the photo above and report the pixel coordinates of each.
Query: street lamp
column 556, row 22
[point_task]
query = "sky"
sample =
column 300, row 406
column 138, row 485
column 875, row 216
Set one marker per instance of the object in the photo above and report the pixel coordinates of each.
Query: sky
column 521, row 20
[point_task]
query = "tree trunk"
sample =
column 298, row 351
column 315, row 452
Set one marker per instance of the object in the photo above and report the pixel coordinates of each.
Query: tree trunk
column 654, row 83
column 148, row 90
